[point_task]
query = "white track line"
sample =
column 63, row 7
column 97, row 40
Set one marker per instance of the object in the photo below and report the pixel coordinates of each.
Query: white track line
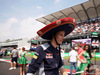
column 5, row 60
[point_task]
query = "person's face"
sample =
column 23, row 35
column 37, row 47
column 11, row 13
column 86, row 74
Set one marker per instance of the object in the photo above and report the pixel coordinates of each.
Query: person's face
column 97, row 71
column 86, row 48
column 77, row 47
column 60, row 36
column 19, row 48
column 23, row 50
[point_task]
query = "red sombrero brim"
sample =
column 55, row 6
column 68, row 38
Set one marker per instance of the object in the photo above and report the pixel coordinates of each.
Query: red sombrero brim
column 66, row 24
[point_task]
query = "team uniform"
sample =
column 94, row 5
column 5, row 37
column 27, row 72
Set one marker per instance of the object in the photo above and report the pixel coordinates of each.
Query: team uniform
column 46, row 61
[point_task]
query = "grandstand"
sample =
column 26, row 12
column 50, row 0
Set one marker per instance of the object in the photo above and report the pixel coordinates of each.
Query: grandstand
column 87, row 16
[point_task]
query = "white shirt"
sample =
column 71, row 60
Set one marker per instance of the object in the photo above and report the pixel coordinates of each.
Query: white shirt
column 73, row 56
column 62, row 54
column 19, row 52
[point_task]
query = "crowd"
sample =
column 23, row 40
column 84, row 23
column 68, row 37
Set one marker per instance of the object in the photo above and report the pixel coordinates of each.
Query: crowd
column 86, row 27
column 3, row 52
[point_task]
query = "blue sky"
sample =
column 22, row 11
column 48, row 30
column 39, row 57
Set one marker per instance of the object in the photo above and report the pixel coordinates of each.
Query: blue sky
column 17, row 17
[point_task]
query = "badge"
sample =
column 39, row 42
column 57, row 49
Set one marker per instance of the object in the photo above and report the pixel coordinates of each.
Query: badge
column 35, row 57
column 49, row 55
column 36, row 53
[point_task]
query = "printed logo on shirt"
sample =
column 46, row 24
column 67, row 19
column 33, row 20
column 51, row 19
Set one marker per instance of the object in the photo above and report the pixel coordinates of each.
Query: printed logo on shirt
column 56, row 53
column 35, row 57
column 49, row 55
column 36, row 53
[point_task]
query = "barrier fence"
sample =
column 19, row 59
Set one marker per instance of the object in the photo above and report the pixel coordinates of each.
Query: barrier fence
column 97, row 55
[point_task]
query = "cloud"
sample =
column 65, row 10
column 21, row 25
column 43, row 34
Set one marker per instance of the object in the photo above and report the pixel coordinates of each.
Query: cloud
column 6, row 28
column 57, row 1
column 12, row 20
column 14, row 28
column 38, row 7
column 29, row 27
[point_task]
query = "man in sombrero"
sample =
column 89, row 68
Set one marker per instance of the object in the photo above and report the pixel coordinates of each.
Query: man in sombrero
column 47, row 59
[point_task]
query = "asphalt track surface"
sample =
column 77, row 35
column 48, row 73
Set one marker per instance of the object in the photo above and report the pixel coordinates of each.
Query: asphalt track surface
column 4, row 67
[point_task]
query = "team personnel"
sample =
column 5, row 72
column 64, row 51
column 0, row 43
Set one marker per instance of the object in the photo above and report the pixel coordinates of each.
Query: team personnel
column 47, row 59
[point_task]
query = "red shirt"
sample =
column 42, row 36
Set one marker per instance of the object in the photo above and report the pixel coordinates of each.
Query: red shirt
column 79, row 51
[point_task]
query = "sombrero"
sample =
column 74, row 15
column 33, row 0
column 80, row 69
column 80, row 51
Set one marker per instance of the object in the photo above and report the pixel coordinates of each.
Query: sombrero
column 66, row 24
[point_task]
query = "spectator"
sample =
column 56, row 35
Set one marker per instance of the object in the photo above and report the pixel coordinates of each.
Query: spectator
column 1, row 53
column 72, row 59
column 5, row 52
column 19, row 52
column 62, row 54
column 94, row 70
column 14, row 56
